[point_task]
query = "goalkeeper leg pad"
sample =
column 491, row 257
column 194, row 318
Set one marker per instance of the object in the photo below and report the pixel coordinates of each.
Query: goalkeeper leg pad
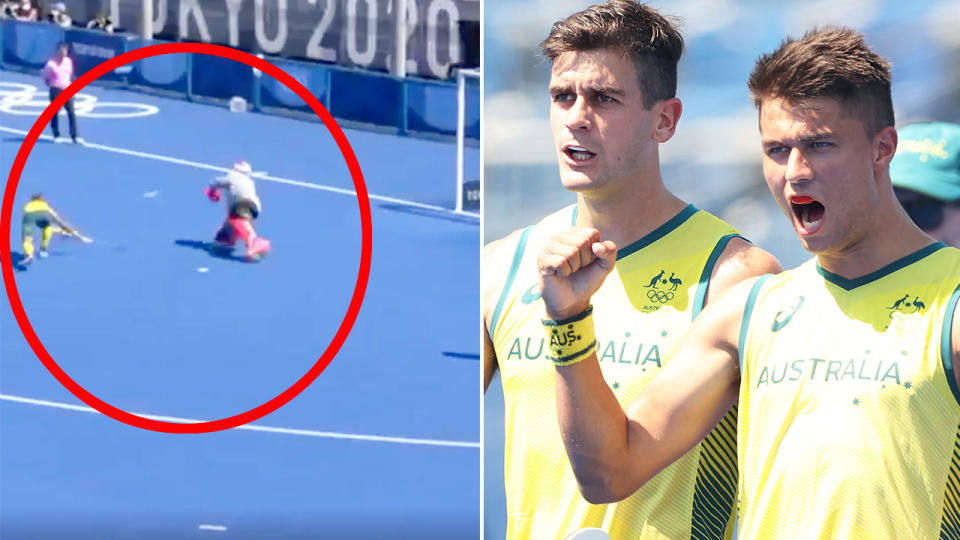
column 226, row 237
column 257, row 249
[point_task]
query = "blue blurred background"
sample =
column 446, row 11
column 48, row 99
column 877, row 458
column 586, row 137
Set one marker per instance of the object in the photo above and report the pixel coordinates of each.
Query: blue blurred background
column 714, row 158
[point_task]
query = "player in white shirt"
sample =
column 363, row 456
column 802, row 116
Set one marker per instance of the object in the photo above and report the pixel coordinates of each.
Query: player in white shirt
column 243, row 207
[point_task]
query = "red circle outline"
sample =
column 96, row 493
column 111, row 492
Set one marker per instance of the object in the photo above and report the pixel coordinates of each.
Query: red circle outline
column 363, row 274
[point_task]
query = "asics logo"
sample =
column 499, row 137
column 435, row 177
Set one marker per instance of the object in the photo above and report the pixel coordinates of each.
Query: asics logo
column 531, row 295
column 783, row 316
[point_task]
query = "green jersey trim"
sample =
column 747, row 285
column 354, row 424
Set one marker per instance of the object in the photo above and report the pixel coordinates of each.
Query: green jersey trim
column 701, row 296
column 747, row 313
column 659, row 232
column 850, row 284
column 514, row 266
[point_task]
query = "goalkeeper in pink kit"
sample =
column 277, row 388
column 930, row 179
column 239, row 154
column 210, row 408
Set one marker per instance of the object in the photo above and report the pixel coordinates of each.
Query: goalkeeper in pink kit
column 243, row 207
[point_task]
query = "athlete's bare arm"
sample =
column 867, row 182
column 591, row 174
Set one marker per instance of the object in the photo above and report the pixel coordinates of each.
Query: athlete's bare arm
column 740, row 260
column 612, row 451
column 497, row 259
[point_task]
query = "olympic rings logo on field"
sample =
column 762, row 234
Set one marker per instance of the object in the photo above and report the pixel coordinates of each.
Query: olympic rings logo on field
column 659, row 296
column 27, row 100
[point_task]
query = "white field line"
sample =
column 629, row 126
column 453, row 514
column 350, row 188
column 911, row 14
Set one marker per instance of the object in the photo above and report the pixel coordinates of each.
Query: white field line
column 253, row 427
column 277, row 179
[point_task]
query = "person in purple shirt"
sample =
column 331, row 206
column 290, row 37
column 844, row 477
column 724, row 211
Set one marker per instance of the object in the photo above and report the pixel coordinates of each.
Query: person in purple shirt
column 58, row 74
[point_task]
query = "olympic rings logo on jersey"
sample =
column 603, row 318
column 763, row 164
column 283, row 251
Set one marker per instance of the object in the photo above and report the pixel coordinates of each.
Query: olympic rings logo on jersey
column 659, row 296
column 27, row 100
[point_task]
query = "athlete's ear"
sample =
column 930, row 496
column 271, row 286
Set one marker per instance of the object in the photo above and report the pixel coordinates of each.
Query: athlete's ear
column 884, row 147
column 666, row 115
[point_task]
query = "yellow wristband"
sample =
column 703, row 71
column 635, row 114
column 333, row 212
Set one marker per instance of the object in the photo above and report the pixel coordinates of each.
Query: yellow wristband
column 571, row 340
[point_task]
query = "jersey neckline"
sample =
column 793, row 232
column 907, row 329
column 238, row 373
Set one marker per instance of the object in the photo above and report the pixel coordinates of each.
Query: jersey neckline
column 850, row 284
column 659, row 232
column 653, row 235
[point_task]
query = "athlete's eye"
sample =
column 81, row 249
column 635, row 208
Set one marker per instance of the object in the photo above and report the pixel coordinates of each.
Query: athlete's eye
column 561, row 97
column 774, row 150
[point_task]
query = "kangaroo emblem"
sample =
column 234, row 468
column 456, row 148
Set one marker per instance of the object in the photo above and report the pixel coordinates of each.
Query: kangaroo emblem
column 656, row 278
column 896, row 305
column 674, row 281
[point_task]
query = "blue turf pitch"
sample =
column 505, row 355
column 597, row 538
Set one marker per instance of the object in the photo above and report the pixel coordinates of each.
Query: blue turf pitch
column 136, row 320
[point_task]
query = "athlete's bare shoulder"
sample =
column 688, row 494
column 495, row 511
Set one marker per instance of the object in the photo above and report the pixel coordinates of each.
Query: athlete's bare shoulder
column 740, row 260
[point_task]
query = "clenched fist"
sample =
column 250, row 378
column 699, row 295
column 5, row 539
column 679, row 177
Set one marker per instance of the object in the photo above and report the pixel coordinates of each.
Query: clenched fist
column 572, row 266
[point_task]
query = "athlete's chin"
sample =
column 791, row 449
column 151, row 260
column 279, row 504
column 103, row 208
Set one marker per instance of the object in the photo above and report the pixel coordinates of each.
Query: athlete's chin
column 818, row 244
column 578, row 181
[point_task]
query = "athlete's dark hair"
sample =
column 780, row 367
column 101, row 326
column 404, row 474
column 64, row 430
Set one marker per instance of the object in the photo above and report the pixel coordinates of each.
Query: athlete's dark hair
column 636, row 30
column 831, row 62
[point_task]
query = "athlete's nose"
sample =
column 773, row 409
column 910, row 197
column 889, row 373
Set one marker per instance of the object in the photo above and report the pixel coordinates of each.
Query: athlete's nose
column 798, row 168
column 579, row 115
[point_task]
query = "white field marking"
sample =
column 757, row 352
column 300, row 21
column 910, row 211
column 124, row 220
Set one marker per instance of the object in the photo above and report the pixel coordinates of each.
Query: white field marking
column 33, row 102
column 203, row 269
column 277, row 179
column 253, row 427
column 218, row 528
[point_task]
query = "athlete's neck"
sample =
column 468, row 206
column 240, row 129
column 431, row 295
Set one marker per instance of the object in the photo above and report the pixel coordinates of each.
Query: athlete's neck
column 629, row 214
column 893, row 237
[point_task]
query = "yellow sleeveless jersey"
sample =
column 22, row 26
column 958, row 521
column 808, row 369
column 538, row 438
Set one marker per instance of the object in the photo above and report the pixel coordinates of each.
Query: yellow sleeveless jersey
column 848, row 407
column 642, row 310
column 38, row 205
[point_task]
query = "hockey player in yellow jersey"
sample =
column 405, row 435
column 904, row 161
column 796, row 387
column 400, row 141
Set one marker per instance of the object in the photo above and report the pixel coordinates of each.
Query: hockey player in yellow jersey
column 843, row 367
column 611, row 108
column 38, row 214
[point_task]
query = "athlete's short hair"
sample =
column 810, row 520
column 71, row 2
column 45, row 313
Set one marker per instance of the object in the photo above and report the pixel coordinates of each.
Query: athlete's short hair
column 636, row 30
column 832, row 62
column 36, row 197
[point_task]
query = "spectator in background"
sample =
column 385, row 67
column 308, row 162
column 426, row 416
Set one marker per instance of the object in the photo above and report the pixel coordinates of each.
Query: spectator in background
column 6, row 9
column 26, row 11
column 926, row 176
column 58, row 74
column 59, row 16
column 101, row 22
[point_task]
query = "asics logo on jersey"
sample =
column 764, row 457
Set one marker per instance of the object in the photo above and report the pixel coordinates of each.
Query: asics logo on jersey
column 531, row 295
column 783, row 316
